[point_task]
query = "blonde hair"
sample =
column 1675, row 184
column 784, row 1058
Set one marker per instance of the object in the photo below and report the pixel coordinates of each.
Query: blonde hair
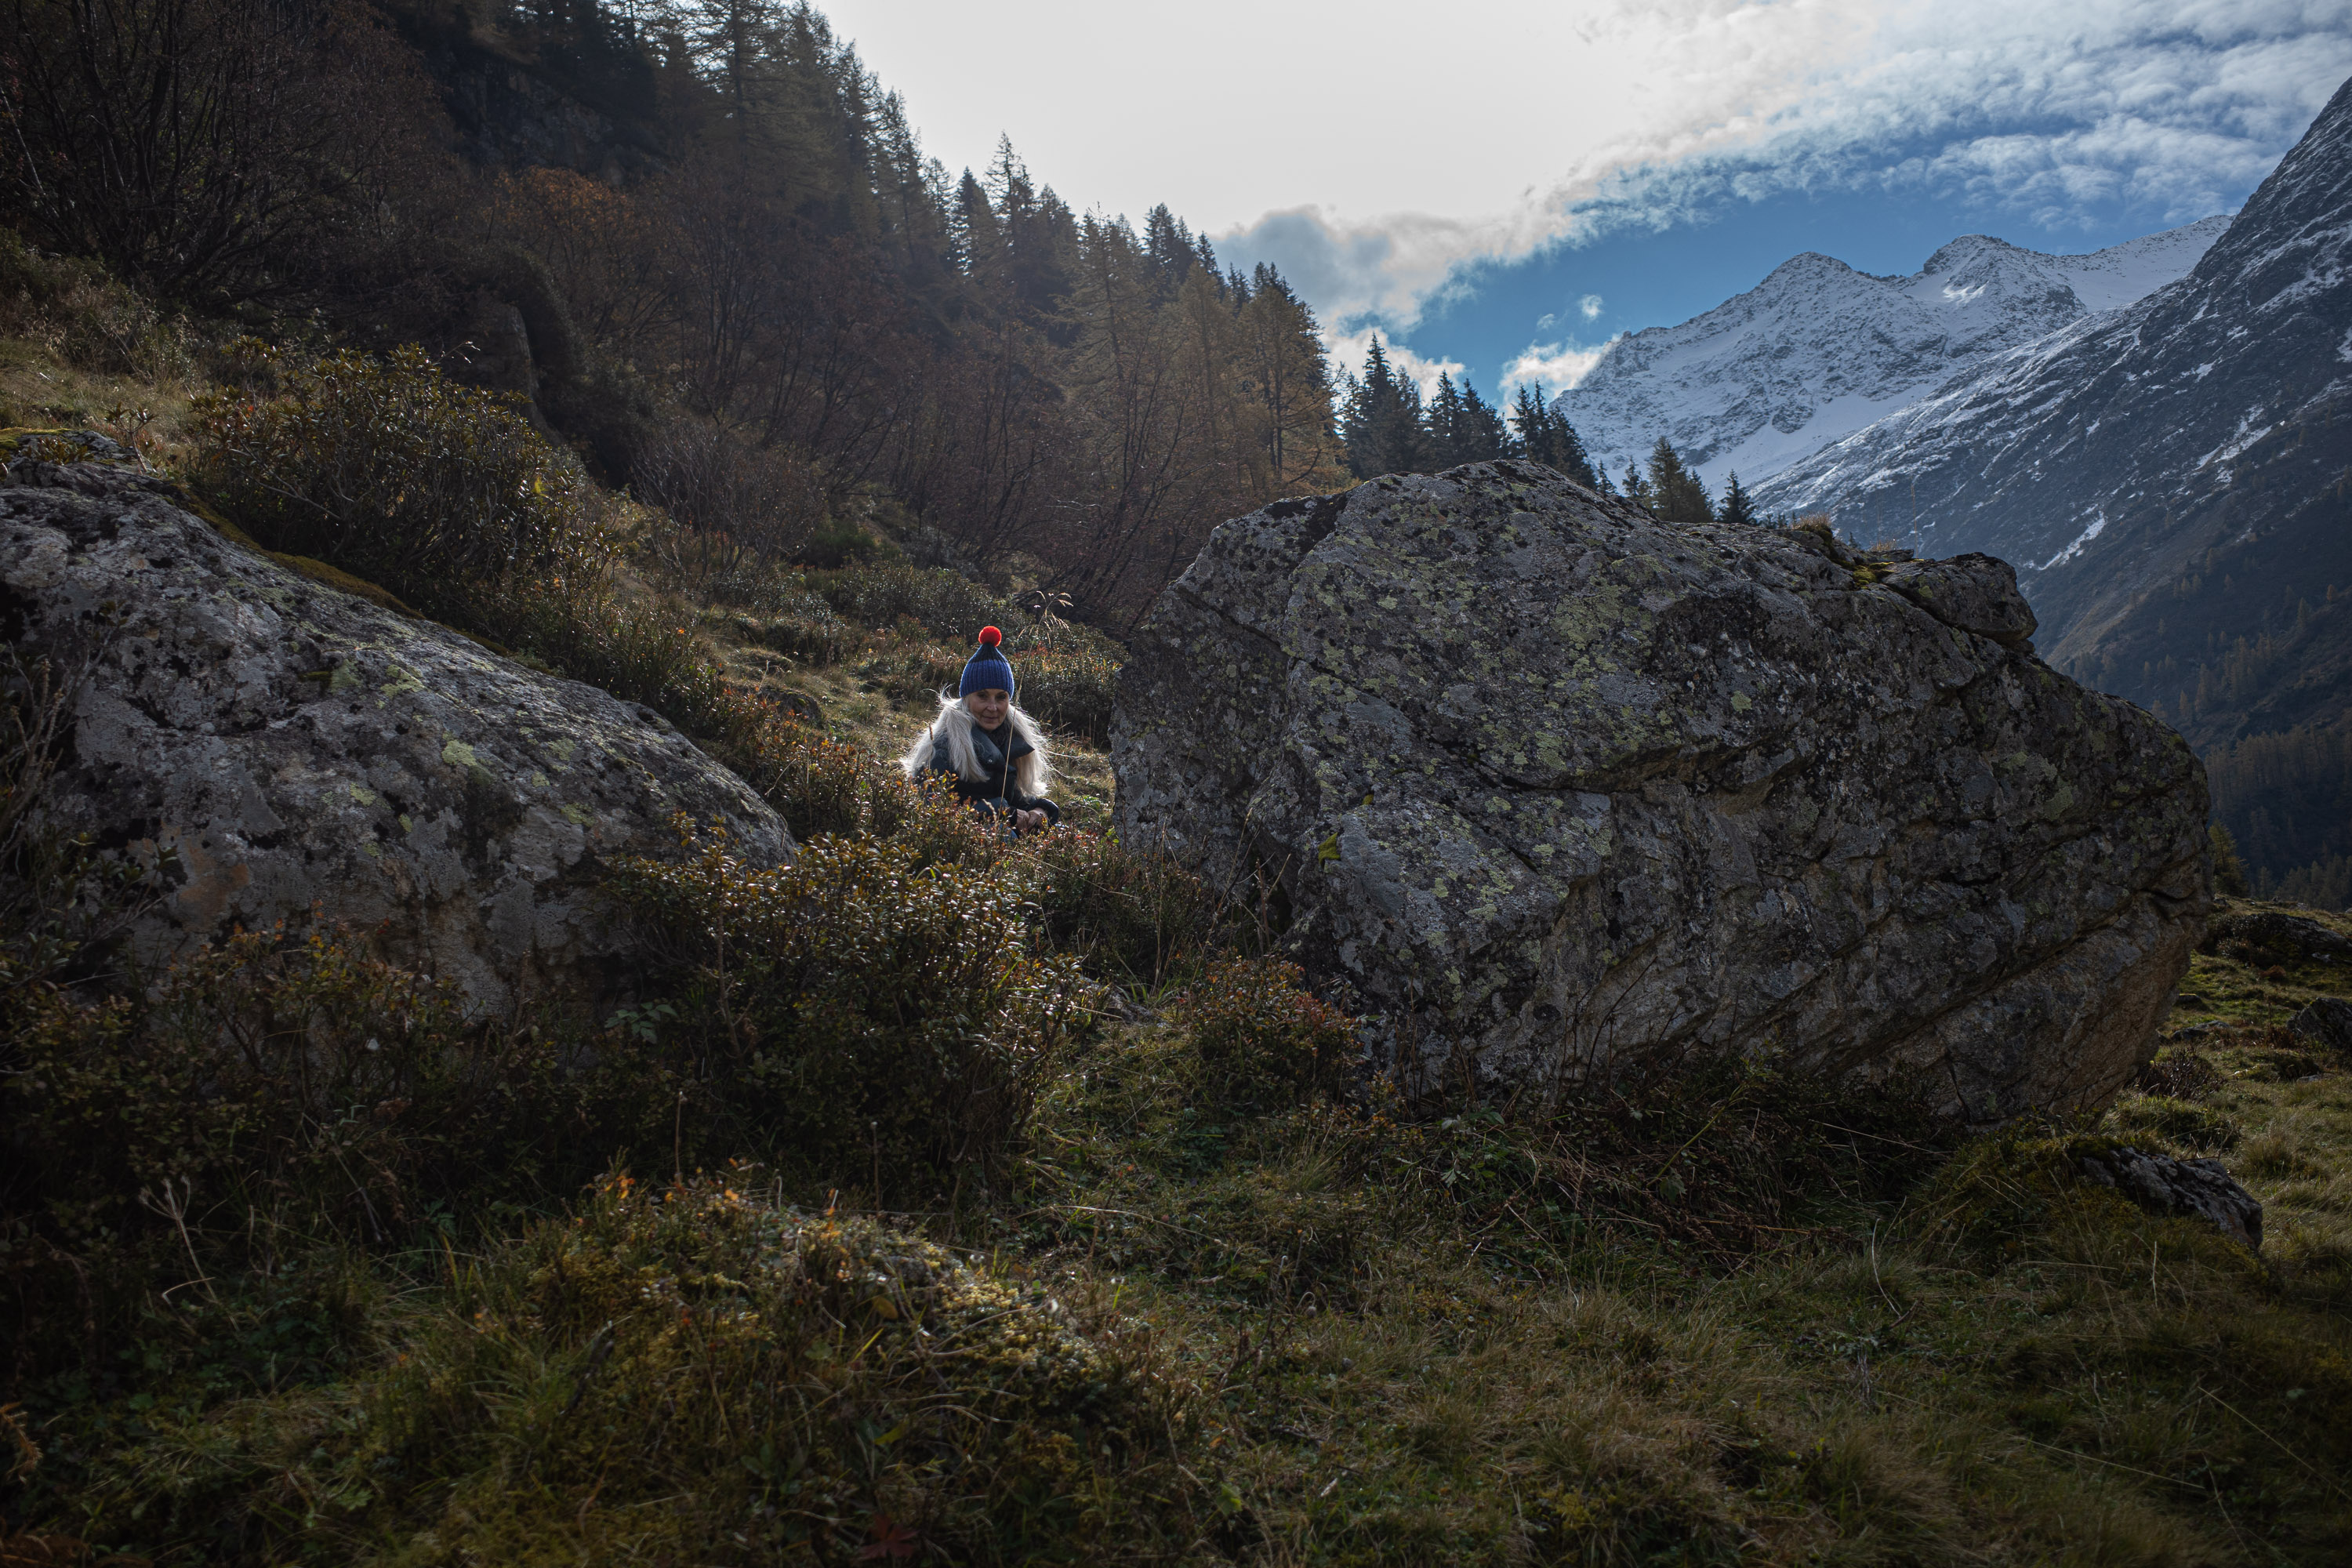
column 1031, row 775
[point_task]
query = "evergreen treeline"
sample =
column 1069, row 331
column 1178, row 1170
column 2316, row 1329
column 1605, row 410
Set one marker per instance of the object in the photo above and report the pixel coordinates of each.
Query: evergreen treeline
column 1387, row 429
column 2287, row 799
column 703, row 239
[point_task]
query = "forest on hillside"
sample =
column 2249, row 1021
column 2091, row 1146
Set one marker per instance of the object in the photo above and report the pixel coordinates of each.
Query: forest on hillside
column 705, row 244
column 704, row 241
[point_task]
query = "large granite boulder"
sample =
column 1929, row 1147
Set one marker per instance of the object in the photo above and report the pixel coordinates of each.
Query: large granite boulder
column 1565, row 791
column 298, row 746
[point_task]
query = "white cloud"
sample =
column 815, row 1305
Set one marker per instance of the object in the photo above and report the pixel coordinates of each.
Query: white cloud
column 1552, row 367
column 2172, row 107
column 1590, row 305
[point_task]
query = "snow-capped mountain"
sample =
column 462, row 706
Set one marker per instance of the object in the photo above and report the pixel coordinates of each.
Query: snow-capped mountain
column 2216, row 411
column 2173, row 480
column 1818, row 350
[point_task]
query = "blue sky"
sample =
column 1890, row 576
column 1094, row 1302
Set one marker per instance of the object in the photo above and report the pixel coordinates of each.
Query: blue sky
column 1577, row 297
column 1453, row 175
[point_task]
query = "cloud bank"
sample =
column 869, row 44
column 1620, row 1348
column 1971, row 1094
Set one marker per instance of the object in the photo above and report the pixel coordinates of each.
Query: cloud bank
column 2164, row 109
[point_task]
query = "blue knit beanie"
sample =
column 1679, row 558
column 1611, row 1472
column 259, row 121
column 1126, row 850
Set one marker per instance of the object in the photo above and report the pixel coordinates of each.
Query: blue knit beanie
column 986, row 669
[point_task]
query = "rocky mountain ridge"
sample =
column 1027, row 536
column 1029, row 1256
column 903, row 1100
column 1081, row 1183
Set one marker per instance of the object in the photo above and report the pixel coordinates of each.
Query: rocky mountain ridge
column 2174, row 482
column 1819, row 350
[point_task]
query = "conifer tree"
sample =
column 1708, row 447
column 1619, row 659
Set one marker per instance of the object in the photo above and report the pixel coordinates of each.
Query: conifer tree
column 1543, row 435
column 977, row 238
column 1636, row 489
column 1482, row 437
column 1381, row 424
column 1675, row 493
column 1168, row 247
column 1285, row 371
column 1739, row 505
column 1442, row 424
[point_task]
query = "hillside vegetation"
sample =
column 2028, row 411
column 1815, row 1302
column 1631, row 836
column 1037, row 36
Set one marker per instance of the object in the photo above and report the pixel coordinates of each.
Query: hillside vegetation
column 305, row 1266
column 943, row 1199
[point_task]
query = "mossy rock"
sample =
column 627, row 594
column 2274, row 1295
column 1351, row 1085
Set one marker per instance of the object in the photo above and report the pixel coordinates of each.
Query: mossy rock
column 58, row 445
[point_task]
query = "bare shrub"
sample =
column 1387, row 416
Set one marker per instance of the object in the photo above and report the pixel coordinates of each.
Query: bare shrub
column 735, row 512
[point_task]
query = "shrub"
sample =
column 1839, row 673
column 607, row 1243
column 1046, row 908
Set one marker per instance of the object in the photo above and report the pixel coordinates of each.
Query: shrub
column 1262, row 1040
column 945, row 604
column 909, row 666
column 733, row 513
column 638, row 651
column 288, row 1072
column 930, row 823
column 388, row 469
column 801, row 625
column 269, row 1098
column 820, row 784
column 1072, row 689
column 875, row 1016
column 75, row 312
column 1131, row 915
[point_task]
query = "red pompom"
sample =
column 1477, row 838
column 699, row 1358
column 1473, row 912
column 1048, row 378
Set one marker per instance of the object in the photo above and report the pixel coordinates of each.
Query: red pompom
column 989, row 637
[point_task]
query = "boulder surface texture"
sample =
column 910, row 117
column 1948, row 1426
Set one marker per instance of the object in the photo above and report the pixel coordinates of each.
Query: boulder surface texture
column 299, row 747
column 1566, row 791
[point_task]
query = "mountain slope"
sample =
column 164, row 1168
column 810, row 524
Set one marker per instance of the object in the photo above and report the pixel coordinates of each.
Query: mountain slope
column 1818, row 350
column 2174, row 481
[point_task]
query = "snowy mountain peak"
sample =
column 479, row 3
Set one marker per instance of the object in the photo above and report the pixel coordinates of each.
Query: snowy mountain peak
column 1818, row 350
column 1970, row 250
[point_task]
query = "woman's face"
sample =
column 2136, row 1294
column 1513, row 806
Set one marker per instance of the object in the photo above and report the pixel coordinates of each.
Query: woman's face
column 988, row 707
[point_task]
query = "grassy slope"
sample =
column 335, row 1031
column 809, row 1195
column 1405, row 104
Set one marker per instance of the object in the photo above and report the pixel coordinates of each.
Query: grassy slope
column 1369, row 1340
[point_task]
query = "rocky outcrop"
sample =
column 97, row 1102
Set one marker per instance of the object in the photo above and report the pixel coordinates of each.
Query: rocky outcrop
column 2326, row 1021
column 2161, row 1184
column 1565, row 791
column 2265, row 937
column 292, row 745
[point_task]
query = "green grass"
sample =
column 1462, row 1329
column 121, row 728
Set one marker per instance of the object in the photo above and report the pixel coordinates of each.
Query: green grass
column 1319, row 1336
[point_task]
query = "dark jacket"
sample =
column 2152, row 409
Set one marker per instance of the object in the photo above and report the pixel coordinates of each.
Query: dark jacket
column 996, row 758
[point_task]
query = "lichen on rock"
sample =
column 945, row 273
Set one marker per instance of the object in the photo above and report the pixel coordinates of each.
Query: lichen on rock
column 1566, row 791
column 298, row 747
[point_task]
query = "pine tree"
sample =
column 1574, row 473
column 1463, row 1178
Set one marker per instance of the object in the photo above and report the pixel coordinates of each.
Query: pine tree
column 1675, row 493
column 1543, row 435
column 1168, row 247
column 1739, row 505
column 1636, row 489
column 977, row 238
column 1442, row 424
column 1480, row 436
column 1382, row 423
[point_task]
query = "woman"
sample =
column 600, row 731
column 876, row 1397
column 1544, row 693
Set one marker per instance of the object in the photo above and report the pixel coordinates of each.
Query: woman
column 993, row 749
